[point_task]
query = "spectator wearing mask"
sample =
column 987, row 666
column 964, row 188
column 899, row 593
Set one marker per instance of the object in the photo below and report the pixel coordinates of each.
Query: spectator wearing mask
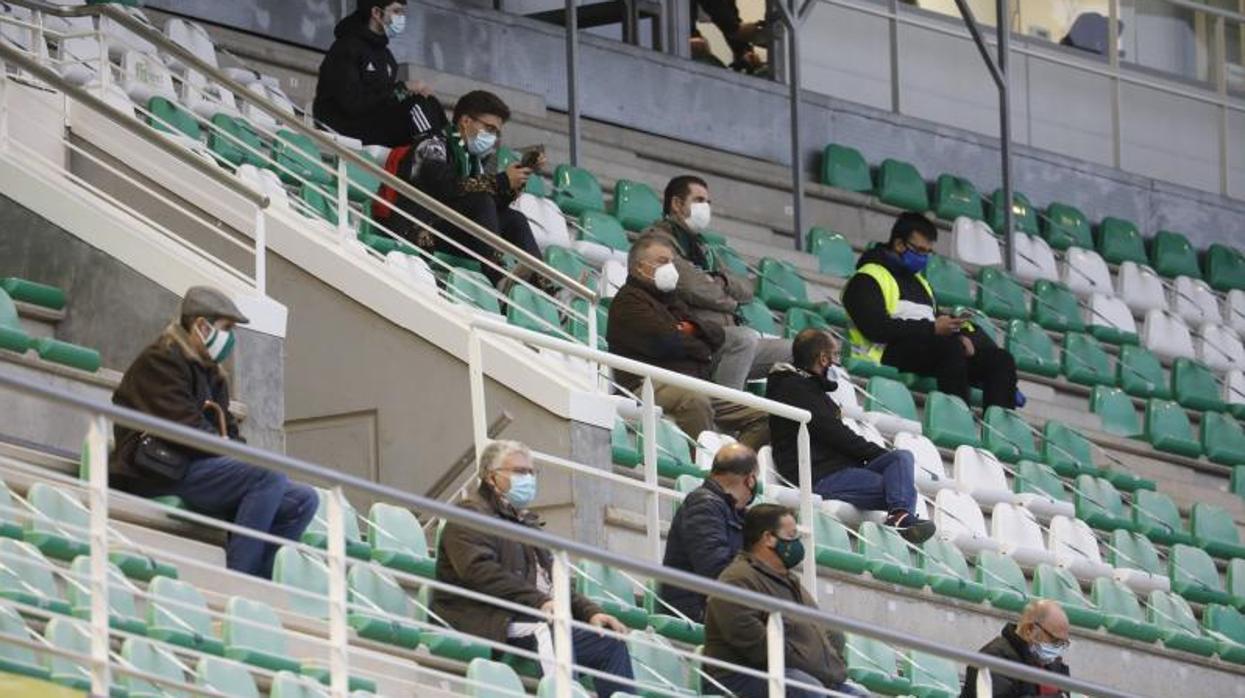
column 735, row 633
column 358, row 93
column 895, row 320
column 707, row 530
column 648, row 322
column 521, row 574
column 845, row 466
column 179, row 378
column 1039, row 639
column 713, row 298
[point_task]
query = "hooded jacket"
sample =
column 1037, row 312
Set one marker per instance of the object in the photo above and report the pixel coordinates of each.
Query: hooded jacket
column 705, row 535
column 862, row 299
column 712, row 297
column 833, row 445
column 643, row 325
column 1009, row 645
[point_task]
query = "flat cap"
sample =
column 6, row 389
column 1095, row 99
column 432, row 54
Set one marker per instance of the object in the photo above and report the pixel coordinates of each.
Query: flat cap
column 208, row 302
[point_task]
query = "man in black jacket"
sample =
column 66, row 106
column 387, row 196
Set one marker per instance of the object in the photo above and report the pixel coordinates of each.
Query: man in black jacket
column 707, row 530
column 845, row 466
column 895, row 320
column 1039, row 640
column 359, row 94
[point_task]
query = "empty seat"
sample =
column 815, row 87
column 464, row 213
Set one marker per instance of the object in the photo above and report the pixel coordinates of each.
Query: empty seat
column 601, row 237
column 178, row 614
column 874, row 664
column 1119, row 241
column 148, row 658
column 780, row 285
column 1056, row 308
column 1178, row 627
column 1041, row 491
column 1076, row 549
column 548, row 689
column 59, row 529
column 1032, row 348
column 1019, row 535
column 1172, row 255
column 657, row 668
column 956, row 196
column 298, row 158
column 723, row 257
column 980, row 474
column 1003, row 579
column 843, row 167
column 226, row 677
column 1194, row 576
column 1228, row 626
column 960, row 522
column 1155, row 515
column 1122, row 614
column 287, row 684
column 796, row 320
column 576, row 190
column 946, row 571
column 412, row 270
column 65, row 634
column 1110, row 319
column 972, row 242
column 887, row 556
column 1234, row 310
column 1033, row 259
column 757, row 315
column 999, row 295
column 1065, row 226
column 1099, row 504
column 930, row 474
column 1195, row 387
column 834, row 546
column 950, row 284
column 234, row 141
column 1116, row 411
column 1085, row 361
column 1085, row 272
column 1220, row 347
column 835, row 256
column 26, row 577
column 397, row 540
column 380, row 609
column 930, row 676
column 307, row 579
column 636, row 206
column 1136, row 562
column 77, row 55
column 1193, row 301
column 572, row 264
column 253, row 634
column 545, row 219
column 948, row 421
column 610, row 589
column 674, row 452
column 1139, row 373
column 1066, row 450
column 1058, row 584
column 1007, row 435
column 1224, row 267
column 167, row 117
column 317, row 531
column 1166, row 335
column 473, row 288
column 1141, row 288
column 144, row 75
column 1223, row 438
column 1024, row 217
column 898, row 183
column 889, row 405
column 529, row 309
column 1215, row 531
column 122, row 596
column 207, row 98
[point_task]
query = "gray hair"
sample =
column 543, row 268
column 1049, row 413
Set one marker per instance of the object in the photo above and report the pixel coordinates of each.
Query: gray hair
column 641, row 246
column 498, row 451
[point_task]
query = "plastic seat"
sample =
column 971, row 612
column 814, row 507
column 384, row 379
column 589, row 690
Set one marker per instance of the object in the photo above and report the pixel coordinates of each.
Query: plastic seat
column 887, row 556
column 1041, row 491
column 380, row 609
column 972, row 242
column 233, row 140
column 548, row 689
column 674, row 453
column 1076, row 549
column 834, row 546
column 1007, row 436
column 122, row 600
column 1003, row 579
column 950, row 284
column 253, row 634
column 307, row 578
column 1223, row 438
column 530, row 310
column 1220, row 347
column 178, row 614
column 1139, row 373
column 636, row 206
column 1059, row 585
column 443, row 643
column 1194, row 576
column 889, row 402
column 206, row 97
column 601, row 237
column 1116, row 411
column 781, row 287
column 1066, row 450
column 835, row 256
column 946, row 571
column 1155, row 515
column 948, row 421
column 929, row 472
column 1065, row 226
column 576, row 190
column 1122, row 614
column 797, row 320
column 169, row 118
column 1236, row 580
column 656, row 667
column 10, row 526
column 317, row 531
column 473, row 288
column 144, row 76
column 1110, row 319
column 1225, row 267
column 1234, row 310
column 572, row 264
column 1178, row 628
column 1166, row 335
column 845, row 168
column 535, row 183
column 1195, row 386
column 960, row 522
column 1215, row 531
column 1024, row 217
column 1234, row 393
column 26, row 577
column 297, row 159
column 59, row 527
column 151, row 659
column 1085, row 361
column 287, row 684
column 723, row 257
column 1032, row 348
column 1119, row 241
column 68, row 635
column 757, row 315
column 899, row 184
column 1192, row 301
column 1228, row 626
column 1000, row 296
column 1055, row 307
column 1171, row 255
column 1033, row 259
column 1085, row 273
column 226, row 677
column 412, row 270
column 1167, row 428
column 17, row 659
column 874, row 664
column 979, row 473
column 397, row 540
column 612, row 591
column 1136, row 562
column 930, row 676
column 1141, row 288
column 1019, row 535
column 956, row 196
column 545, row 219
column 1099, row 504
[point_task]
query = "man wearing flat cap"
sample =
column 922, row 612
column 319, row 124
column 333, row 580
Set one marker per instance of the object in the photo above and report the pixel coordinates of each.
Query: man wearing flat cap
column 179, row 378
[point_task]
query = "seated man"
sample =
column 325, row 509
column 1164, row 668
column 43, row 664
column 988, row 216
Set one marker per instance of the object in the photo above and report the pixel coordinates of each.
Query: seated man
column 511, row 571
column 736, row 633
column 713, row 298
column 894, row 320
column 1039, row 639
column 740, row 36
column 179, row 378
column 845, row 466
column 358, row 93
column 707, row 530
column 648, row 322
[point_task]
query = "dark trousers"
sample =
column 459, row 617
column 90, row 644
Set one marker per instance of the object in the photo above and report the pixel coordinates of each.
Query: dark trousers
column 496, row 217
column 249, row 496
column 595, row 651
column 990, row 368
column 884, row 483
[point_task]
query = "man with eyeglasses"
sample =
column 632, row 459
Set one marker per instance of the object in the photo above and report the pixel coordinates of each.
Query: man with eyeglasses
column 1039, row 639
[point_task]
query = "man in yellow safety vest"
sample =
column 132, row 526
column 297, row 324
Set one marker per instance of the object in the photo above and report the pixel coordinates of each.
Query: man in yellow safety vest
column 895, row 320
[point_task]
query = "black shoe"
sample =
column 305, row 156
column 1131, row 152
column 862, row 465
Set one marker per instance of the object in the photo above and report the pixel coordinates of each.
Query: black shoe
column 910, row 527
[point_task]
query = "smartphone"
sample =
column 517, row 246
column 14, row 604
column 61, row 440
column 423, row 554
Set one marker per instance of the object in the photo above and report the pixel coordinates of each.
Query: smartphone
column 531, row 156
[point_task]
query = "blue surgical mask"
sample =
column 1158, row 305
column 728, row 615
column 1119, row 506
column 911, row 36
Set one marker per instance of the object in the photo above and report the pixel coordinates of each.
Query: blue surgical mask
column 482, row 143
column 395, row 26
column 914, row 261
column 522, row 490
column 1046, row 653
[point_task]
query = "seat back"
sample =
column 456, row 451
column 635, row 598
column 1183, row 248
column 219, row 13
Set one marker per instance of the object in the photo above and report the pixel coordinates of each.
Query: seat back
column 830, row 532
column 1168, row 610
column 972, row 242
column 656, row 667
column 948, row 421
column 26, row 574
column 1223, row 438
column 780, row 284
column 1065, row 226
column 891, row 397
column 571, row 263
column 898, row 183
column 307, row 577
column 1007, row 435
column 635, row 205
column 1212, row 523
column 63, row 633
column 1059, row 585
column 1192, row 566
column 844, row 167
column 603, row 229
column 1166, row 335
column 1024, row 217
column 122, row 598
column 1167, row 421
column 395, row 528
column 1001, row 573
column 287, row 684
column 192, row 37
column 956, row 196
column 1172, row 255
column 976, row 469
column 1085, row 361
column 958, row 516
column 1234, row 310
column 534, row 311
column 12, row 625
column 1141, row 288
column 1139, row 373
column 319, row 524
column 1192, row 300
column 150, row 659
column 177, row 606
column 1119, row 241
column 1116, row 410
column 372, row 588
column 1000, row 295
column 1033, row 259
column 835, row 256
column 1096, row 495
column 1225, row 621
column 1085, row 273
column 1015, row 527
column 1113, row 597
column 1195, row 386
column 227, row 677
column 1038, row 478
column 1224, row 267
column 941, row 557
column 57, row 512
column 757, row 315
column 1133, row 551
column 1110, row 316
column 1071, row 540
column 884, row 545
column 949, row 281
column 253, row 625
column 929, row 465
column 930, row 674
column 600, row 581
column 1055, row 307
column 576, row 190
column 1220, row 347
column 473, row 288
column 1156, row 512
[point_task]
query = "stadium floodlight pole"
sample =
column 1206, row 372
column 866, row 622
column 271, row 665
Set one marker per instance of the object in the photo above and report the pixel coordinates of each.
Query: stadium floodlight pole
column 790, row 17
column 572, row 78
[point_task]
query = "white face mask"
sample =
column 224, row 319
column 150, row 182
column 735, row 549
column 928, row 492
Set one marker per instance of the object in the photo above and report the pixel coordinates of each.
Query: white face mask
column 666, row 277
column 698, row 218
column 396, row 26
column 218, row 343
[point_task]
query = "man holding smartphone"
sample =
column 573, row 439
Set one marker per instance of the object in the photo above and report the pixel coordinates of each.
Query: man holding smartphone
column 895, row 320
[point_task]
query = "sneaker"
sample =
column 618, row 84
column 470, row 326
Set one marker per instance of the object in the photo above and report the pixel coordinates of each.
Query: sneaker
column 910, row 527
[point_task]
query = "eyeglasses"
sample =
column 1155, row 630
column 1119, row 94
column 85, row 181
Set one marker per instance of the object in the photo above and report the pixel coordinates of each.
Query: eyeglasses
column 517, row 471
column 1057, row 642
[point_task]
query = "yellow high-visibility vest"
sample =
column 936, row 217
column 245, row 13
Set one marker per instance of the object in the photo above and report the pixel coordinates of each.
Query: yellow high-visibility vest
column 872, row 351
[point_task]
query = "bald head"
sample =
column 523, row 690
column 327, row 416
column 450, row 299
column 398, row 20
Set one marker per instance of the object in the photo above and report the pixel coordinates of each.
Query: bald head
column 735, row 471
column 1043, row 621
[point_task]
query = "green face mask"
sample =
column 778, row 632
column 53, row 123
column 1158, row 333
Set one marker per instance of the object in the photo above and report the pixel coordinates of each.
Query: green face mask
column 791, row 552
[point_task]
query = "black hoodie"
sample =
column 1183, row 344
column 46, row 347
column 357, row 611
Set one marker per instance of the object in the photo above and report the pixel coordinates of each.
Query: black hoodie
column 862, row 299
column 1009, row 645
column 359, row 93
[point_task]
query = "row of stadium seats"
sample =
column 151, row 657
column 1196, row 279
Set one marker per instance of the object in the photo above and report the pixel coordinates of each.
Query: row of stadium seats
column 14, row 337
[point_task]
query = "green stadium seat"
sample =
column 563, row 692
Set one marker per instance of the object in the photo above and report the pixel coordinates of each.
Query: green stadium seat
column 835, row 256
column 74, row 636
column 980, row 322
column 149, row 658
column 576, row 190
column 724, row 257
column 1000, row 296
column 26, row 577
column 489, row 679
column 875, row 664
column 287, row 684
column 67, row 354
column 1007, row 435
column 956, row 196
column 360, row 185
column 603, row 229
column 1065, row 226
column 1032, row 348
column 845, row 168
column 1194, row 576
column 253, row 634
column 657, row 669
column 1225, row 267
column 1215, row 531
column 1168, row 429
column 1133, row 551
column 380, row 609
column 889, row 396
column 10, row 527
column 780, row 285
column 887, row 556
column 834, row 545
column 674, row 455
column 1067, row 450
column 623, row 448
column 612, row 591
column 535, row 183
column 1055, row 307
column 572, row 264
column 14, row 658
column 1118, row 241
column 12, row 336
column 178, row 614
column 862, row 366
column 674, row 627
column 1024, row 217
column 931, row 676
column 1059, row 585
column 398, row 540
column 797, row 320
column 224, row 676
column 297, row 158
column 33, row 292
column 321, row 207
column 473, row 288
column 1116, row 410
column 168, row 117
column 1178, row 627
column 1041, row 479
column 1085, row 361
column 1236, row 580
column 636, row 205
column 1122, row 611
column 1155, row 515
column 445, row 643
column 756, row 314
column 531, row 310
column 1223, row 438
column 1195, row 387
column 1227, row 626
column 899, row 184
column 122, row 601
column 946, row 571
column 317, row 531
column 59, row 529
column 307, row 579
column 1099, row 504
column 1172, row 255
column 948, row 421
column 1237, row 482
column 1003, row 579
column 578, row 328
column 950, row 284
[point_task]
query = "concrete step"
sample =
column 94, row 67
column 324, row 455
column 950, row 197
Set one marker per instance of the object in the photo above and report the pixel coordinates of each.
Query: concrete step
column 38, row 321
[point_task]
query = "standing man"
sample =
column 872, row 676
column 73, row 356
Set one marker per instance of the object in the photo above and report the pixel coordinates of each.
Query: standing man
column 707, row 530
column 359, row 94
column 713, row 297
column 1039, row 640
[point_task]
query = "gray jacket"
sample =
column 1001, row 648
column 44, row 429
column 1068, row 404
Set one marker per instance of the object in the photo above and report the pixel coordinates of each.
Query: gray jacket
column 712, row 297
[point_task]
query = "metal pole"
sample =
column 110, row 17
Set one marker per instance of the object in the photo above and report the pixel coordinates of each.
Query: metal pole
column 338, row 637
column 1003, row 20
column 97, row 498
column 776, row 654
column 261, row 252
column 572, row 78
column 475, row 376
column 1221, row 87
column 562, row 649
column 343, row 203
column 1113, row 60
column 797, row 156
column 652, row 519
column 804, row 471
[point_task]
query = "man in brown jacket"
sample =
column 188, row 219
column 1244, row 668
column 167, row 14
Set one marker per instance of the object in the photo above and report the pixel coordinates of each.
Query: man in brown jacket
column 649, row 323
column 735, row 633
column 518, row 573
column 713, row 298
column 179, row 378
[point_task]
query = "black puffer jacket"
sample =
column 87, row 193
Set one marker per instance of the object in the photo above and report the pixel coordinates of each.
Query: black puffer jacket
column 706, row 534
column 1011, row 646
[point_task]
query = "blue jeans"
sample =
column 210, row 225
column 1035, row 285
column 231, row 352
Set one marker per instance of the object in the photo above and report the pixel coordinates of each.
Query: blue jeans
column 595, row 651
column 884, row 483
column 744, row 686
column 249, row 496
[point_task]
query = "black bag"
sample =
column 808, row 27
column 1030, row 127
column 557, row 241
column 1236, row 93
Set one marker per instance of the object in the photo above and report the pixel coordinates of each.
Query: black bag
column 156, row 457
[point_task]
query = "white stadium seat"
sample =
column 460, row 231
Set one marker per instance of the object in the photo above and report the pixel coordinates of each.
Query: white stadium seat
column 192, row 37
column 972, row 242
column 1234, row 310
column 205, row 98
column 1234, row 387
column 929, row 472
column 1045, row 507
column 844, row 394
column 707, row 445
column 1193, row 301
column 545, row 219
column 1076, row 548
column 1166, row 335
column 613, row 276
column 980, row 474
column 77, row 57
column 1085, row 272
column 266, row 182
column 412, row 270
column 120, row 39
column 1033, row 259
column 1110, row 311
column 866, row 431
column 1220, row 347
column 144, row 76
column 597, row 253
column 1019, row 535
column 1141, row 288
column 960, row 522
